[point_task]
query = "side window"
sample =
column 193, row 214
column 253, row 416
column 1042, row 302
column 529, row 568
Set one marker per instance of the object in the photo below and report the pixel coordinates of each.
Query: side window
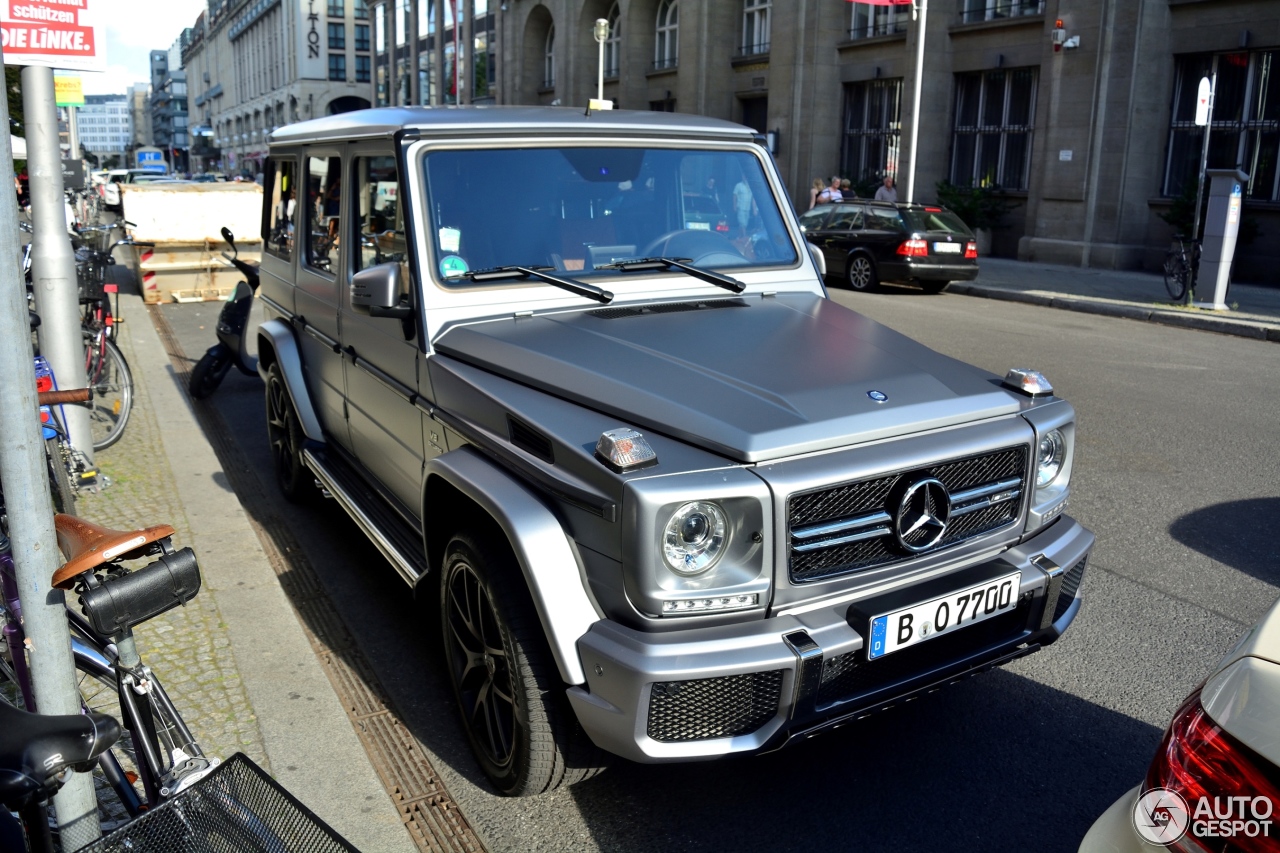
column 811, row 220
column 884, row 220
column 279, row 208
column 380, row 219
column 324, row 204
column 847, row 217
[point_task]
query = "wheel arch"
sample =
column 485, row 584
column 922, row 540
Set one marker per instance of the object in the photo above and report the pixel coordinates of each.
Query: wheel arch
column 463, row 489
column 277, row 345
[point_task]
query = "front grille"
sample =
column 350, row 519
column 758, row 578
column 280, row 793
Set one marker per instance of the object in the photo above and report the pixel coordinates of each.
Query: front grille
column 1070, row 583
column 705, row 708
column 866, row 498
column 850, row 675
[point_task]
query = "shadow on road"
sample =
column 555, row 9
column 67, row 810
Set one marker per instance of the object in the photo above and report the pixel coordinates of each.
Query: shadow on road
column 1237, row 534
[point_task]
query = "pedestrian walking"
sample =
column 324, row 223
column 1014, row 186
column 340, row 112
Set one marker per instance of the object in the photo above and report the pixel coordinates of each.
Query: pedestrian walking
column 887, row 190
column 814, row 191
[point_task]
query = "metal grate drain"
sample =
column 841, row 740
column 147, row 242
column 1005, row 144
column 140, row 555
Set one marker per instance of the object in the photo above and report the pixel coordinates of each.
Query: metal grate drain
column 432, row 816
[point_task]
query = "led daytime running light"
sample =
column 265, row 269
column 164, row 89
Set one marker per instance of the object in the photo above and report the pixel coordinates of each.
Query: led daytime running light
column 707, row 605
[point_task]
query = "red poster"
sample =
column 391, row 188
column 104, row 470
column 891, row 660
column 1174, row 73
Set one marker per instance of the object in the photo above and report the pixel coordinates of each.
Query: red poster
column 57, row 33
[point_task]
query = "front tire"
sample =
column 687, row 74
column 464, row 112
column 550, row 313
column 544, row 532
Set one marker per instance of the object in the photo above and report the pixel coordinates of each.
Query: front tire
column 112, row 384
column 512, row 701
column 284, row 434
column 1176, row 275
column 208, row 373
column 861, row 275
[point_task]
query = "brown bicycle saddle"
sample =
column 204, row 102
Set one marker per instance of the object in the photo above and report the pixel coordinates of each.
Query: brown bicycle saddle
column 86, row 545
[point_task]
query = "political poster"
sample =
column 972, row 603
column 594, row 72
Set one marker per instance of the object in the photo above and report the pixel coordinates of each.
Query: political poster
column 67, row 34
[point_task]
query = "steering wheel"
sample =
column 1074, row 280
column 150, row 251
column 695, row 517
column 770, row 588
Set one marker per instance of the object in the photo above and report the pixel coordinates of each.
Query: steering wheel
column 704, row 248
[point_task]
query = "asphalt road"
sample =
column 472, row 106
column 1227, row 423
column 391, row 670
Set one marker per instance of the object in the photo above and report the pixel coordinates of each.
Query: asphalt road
column 1176, row 474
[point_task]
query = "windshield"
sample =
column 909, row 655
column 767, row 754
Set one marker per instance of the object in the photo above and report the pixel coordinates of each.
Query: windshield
column 578, row 209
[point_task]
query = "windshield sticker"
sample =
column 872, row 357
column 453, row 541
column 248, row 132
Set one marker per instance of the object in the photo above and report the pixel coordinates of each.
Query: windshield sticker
column 450, row 239
column 452, row 266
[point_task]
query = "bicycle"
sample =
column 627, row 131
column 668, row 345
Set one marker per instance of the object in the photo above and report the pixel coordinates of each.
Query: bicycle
column 1181, row 267
column 172, row 796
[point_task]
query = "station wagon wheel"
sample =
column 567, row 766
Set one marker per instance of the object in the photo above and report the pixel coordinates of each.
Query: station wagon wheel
column 860, row 273
column 284, row 434
column 509, row 693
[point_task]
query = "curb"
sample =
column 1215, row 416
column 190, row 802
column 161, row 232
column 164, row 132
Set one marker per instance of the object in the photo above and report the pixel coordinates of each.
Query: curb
column 1125, row 310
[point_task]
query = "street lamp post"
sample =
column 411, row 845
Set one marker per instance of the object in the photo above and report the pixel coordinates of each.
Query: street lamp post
column 602, row 35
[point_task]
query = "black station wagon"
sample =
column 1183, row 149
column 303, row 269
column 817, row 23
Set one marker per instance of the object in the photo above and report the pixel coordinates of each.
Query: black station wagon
column 868, row 242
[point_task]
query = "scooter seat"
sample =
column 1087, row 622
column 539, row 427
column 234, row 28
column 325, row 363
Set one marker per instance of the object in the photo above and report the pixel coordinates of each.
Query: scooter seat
column 86, row 545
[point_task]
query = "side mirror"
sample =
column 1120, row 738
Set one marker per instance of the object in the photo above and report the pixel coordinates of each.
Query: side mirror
column 376, row 291
column 819, row 259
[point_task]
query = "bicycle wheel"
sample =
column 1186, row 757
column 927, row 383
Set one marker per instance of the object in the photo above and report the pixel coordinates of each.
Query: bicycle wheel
column 64, row 497
column 112, row 385
column 1176, row 275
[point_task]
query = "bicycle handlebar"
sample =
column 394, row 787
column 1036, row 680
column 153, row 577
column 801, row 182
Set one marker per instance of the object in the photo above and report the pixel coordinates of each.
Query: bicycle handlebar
column 72, row 395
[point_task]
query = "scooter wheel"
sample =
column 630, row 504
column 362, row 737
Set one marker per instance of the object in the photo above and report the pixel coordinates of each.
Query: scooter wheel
column 207, row 375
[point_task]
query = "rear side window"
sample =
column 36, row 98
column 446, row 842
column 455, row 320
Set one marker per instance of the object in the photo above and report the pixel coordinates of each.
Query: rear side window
column 879, row 219
column 846, row 217
column 323, row 209
column 812, row 220
column 279, row 208
column 935, row 220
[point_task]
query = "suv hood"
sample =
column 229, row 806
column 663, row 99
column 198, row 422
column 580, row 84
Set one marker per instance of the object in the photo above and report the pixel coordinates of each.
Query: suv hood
column 754, row 379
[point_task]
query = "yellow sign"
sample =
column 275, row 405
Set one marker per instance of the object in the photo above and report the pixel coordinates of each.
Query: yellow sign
column 68, row 91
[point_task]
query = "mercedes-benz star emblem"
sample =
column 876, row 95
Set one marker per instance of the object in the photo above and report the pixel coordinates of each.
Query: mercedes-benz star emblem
column 923, row 515
column 878, row 396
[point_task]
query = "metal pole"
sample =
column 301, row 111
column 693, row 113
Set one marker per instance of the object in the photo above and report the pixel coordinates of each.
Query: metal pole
column 915, row 110
column 53, row 266
column 600, row 71
column 25, row 475
column 73, row 133
column 1204, row 164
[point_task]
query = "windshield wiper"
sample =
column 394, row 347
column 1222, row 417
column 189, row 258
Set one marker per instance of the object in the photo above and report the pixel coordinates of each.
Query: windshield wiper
column 681, row 264
column 581, row 288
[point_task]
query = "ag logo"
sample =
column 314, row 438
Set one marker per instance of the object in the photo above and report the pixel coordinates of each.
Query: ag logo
column 1161, row 816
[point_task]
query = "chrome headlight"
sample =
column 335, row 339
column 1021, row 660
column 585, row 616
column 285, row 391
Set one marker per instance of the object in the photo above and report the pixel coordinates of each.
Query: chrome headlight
column 1050, row 454
column 694, row 538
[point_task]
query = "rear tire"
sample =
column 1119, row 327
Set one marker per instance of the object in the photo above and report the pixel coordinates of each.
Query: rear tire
column 1176, row 275
column 284, row 433
column 513, row 705
column 112, row 385
column 861, row 275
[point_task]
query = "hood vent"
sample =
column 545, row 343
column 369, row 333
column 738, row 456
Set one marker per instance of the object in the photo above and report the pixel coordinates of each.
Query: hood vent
column 529, row 440
column 666, row 308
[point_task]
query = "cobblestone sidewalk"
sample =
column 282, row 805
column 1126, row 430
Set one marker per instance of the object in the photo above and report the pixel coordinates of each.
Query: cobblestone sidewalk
column 187, row 647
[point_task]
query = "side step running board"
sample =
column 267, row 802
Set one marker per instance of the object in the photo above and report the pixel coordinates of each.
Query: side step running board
column 400, row 545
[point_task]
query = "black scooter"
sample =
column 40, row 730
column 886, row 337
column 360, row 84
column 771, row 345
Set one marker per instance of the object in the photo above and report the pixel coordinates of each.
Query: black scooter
column 232, row 346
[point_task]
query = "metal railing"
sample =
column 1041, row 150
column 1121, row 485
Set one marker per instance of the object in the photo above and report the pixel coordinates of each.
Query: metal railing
column 882, row 28
column 752, row 49
column 999, row 9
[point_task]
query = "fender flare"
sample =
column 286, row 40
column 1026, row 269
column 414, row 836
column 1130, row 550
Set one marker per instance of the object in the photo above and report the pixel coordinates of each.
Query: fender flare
column 277, row 337
column 544, row 553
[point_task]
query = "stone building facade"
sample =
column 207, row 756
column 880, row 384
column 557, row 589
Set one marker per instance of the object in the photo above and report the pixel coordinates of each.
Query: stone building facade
column 1091, row 140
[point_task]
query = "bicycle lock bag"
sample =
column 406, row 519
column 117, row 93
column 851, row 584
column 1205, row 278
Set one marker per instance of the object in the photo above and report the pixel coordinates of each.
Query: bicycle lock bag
column 122, row 601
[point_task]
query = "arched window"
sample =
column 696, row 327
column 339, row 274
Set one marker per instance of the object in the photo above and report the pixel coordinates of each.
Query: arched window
column 613, row 44
column 755, row 26
column 549, row 60
column 666, row 51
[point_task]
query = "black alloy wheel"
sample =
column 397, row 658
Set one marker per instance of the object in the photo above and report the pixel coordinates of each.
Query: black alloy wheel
column 860, row 273
column 284, row 434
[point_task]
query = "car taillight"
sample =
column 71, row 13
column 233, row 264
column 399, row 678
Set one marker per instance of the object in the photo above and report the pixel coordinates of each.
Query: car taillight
column 722, row 226
column 1197, row 759
column 44, row 383
column 914, row 248
column 971, row 249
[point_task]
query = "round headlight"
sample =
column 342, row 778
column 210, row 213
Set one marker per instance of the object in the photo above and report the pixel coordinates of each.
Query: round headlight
column 694, row 538
column 1049, row 457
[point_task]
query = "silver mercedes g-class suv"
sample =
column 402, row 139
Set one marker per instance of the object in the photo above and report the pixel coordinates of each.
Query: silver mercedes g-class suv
column 576, row 375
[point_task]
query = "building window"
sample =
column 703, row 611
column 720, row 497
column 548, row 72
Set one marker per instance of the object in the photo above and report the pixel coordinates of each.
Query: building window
column 338, row 67
column 613, row 44
column 995, row 115
column 991, row 10
column 337, row 8
column 402, row 22
column 362, row 10
column 362, row 69
column 362, row 36
column 666, row 49
column 755, row 26
column 876, row 21
column 872, row 129
column 1246, row 121
column 549, row 60
column 337, row 36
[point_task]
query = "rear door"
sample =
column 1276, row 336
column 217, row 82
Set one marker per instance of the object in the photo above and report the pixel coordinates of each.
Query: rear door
column 882, row 233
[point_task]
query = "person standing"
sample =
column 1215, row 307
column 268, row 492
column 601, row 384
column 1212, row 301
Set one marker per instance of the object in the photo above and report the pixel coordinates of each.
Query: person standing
column 887, row 190
column 743, row 204
column 818, row 186
column 831, row 195
column 846, row 190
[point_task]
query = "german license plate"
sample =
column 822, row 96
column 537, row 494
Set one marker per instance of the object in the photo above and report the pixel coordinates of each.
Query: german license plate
column 946, row 248
column 903, row 628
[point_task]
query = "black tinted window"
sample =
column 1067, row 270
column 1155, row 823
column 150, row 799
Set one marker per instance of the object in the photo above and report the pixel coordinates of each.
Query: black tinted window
column 279, row 206
column 847, row 217
column 883, row 219
column 812, row 220
column 935, row 219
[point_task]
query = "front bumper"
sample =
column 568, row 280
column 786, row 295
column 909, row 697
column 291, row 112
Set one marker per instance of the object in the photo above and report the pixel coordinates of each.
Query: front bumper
column 757, row 686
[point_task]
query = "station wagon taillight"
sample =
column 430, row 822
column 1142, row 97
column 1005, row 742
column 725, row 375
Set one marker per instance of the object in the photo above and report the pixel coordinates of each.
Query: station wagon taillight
column 971, row 250
column 914, row 248
column 722, row 226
